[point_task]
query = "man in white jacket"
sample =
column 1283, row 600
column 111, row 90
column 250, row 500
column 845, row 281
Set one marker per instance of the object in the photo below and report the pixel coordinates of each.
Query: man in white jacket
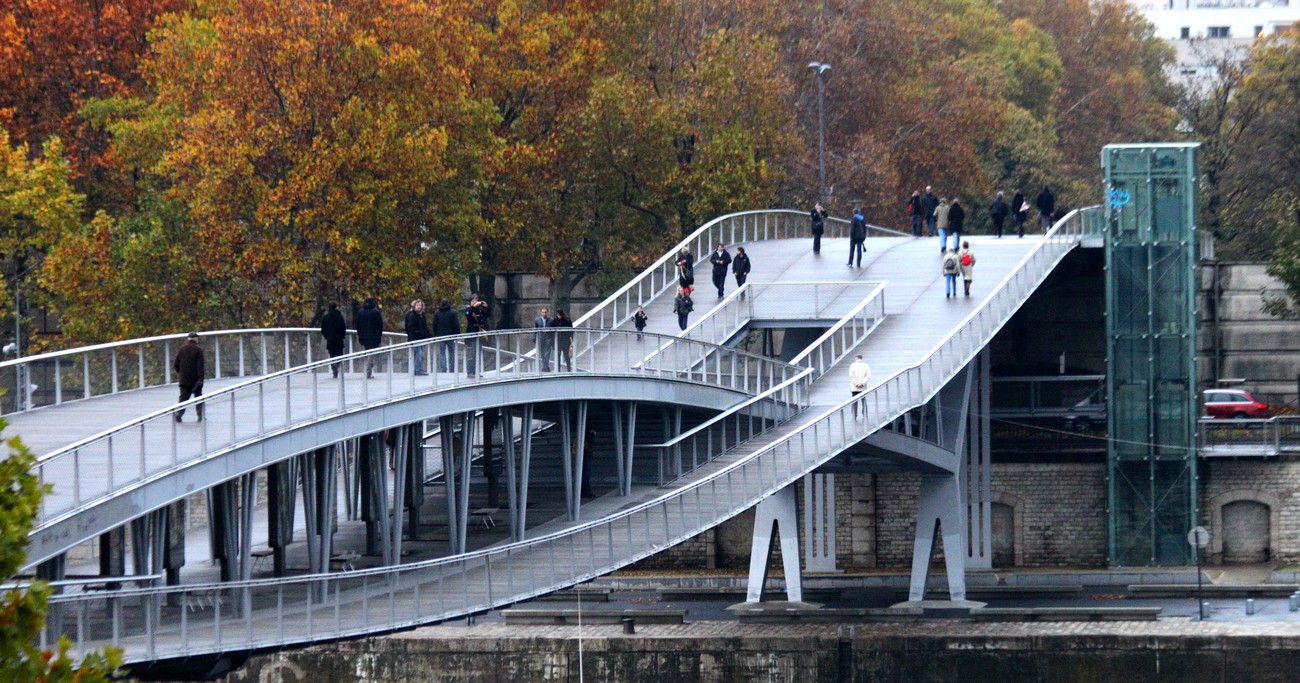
column 859, row 376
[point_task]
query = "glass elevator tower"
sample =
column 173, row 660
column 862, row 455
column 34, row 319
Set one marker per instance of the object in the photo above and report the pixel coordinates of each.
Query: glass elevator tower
column 1151, row 351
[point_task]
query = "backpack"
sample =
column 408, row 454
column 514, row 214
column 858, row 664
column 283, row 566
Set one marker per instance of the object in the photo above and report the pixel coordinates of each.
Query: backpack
column 949, row 264
column 965, row 259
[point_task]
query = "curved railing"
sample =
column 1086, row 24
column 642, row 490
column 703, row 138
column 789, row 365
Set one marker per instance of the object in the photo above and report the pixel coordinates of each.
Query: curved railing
column 746, row 226
column 98, row 467
column 59, row 377
column 333, row 606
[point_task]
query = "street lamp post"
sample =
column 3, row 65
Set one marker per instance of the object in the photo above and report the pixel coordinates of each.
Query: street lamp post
column 821, row 70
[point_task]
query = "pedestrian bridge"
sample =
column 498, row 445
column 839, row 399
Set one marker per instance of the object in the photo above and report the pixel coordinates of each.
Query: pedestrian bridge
column 728, row 429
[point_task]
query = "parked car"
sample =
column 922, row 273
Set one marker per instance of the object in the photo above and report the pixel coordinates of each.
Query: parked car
column 1233, row 404
column 1088, row 412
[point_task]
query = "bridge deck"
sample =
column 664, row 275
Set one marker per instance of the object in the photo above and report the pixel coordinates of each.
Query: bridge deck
column 918, row 318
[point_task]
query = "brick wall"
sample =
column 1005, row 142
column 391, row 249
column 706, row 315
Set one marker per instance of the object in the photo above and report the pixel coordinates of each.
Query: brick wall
column 1063, row 511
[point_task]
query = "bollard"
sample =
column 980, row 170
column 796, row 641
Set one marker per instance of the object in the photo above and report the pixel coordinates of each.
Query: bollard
column 470, row 620
column 629, row 625
column 1250, row 605
column 1293, row 603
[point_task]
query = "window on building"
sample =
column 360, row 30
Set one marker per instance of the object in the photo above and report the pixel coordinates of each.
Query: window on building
column 1259, row 31
column 1220, row 32
column 1185, row 32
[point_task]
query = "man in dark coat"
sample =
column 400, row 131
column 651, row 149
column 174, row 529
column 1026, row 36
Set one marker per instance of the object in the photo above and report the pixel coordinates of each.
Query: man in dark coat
column 446, row 323
column 956, row 220
column 417, row 329
column 818, row 218
column 477, row 319
column 720, row 260
column 857, row 235
column 1046, row 207
column 740, row 266
column 190, row 372
column 545, row 342
column 998, row 212
column 335, row 331
column 916, row 211
column 1019, row 210
column 370, row 331
column 929, row 203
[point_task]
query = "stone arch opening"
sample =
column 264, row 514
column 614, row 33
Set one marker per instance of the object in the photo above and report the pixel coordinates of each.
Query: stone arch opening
column 1245, row 527
column 1006, row 515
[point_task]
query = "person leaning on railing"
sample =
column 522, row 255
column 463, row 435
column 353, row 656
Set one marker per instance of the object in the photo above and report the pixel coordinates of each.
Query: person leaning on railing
column 478, row 316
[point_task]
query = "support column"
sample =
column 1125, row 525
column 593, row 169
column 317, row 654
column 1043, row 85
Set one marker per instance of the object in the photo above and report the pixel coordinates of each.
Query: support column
column 112, row 554
column 414, row 478
column 623, row 446
column 819, row 522
column 525, row 465
column 940, row 510
column 401, row 453
column 942, row 506
column 979, row 470
column 282, row 485
column 775, row 514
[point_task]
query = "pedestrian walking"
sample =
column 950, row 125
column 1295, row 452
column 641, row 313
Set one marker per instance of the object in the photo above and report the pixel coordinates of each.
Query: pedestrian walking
column 563, row 339
column 190, row 371
column 682, row 306
column 740, row 267
column 998, row 212
column 335, row 331
column 859, row 377
column 857, row 235
column 478, row 317
column 417, row 329
column 916, row 211
column 818, row 218
column 543, row 339
column 950, row 270
column 446, row 324
column 966, row 263
column 720, row 259
column 1020, row 211
column 370, row 331
column 941, row 222
column 956, row 221
column 639, row 319
column 685, row 268
column 929, row 203
column 1046, row 204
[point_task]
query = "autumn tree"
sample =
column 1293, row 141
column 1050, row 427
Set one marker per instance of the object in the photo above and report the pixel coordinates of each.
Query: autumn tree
column 316, row 150
column 58, row 55
column 37, row 207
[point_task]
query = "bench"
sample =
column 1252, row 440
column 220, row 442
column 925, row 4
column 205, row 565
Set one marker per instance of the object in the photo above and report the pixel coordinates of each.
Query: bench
column 1066, row 613
column 520, row 616
column 769, row 615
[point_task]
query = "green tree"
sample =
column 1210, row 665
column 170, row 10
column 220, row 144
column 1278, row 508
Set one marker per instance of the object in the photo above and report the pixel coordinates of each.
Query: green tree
column 37, row 207
column 22, row 612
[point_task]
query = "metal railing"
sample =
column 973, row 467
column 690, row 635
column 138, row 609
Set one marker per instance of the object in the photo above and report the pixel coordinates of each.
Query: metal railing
column 1249, row 438
column 844, row 335
column 747, row 226
column 736, row 425
column 856, row 306
column 58, row 377
column 333, row 606
column 94, row 469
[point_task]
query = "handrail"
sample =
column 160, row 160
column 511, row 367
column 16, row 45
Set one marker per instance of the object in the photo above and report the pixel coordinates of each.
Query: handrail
column 94, row 455
column 744, row 226
column 815, row 356
column 739, row 407
column 575, row 553
column 146, row 362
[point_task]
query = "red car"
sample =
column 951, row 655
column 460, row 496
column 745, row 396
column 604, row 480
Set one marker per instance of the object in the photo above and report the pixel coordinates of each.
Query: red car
column 1234, row 404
